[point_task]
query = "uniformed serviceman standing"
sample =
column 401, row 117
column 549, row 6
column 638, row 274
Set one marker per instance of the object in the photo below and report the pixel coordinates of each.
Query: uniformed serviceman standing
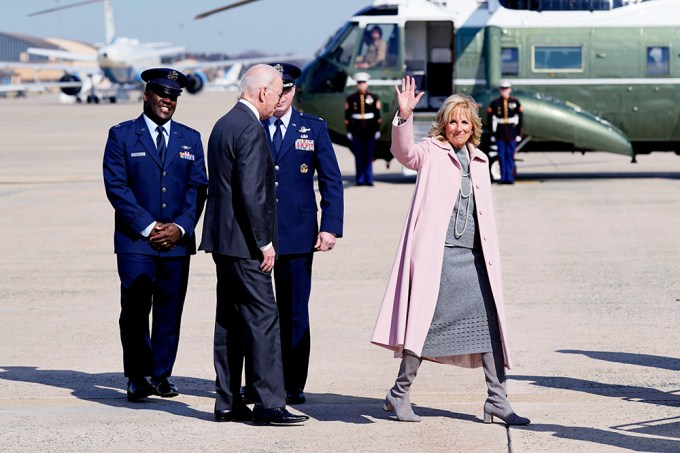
column 362, row 118
column 155, row 178
column 504, row 117
column 301, row 147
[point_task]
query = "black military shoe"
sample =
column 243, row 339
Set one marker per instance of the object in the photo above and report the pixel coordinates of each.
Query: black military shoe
column 164, row 388
column 276, row 416
column 139, row 388
column 237, row 414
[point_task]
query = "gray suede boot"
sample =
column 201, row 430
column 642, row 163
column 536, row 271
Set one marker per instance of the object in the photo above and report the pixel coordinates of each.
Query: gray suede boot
column 397, row 398
column 497, row 404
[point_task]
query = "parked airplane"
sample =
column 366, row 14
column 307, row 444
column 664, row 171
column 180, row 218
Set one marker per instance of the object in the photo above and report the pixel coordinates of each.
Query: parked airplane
column 121, row 60
column 591, row 74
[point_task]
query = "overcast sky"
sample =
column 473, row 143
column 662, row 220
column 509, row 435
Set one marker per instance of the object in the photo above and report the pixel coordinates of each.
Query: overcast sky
column 272, row 26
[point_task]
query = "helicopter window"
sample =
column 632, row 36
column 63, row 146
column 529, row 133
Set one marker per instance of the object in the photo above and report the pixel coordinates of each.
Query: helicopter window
column 380, row 47
column 558, row 58
column 658, row 60
column 341, row 47
column 328, row 78
column 510, row 61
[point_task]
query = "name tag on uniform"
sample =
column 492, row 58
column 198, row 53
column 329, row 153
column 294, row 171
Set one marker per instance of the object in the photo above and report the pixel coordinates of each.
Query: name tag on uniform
column 142, row 154
column 304, row 144
column 187, row 155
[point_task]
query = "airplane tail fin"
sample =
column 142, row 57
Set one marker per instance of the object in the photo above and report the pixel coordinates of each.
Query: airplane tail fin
column 233, row 73
column 109, row 25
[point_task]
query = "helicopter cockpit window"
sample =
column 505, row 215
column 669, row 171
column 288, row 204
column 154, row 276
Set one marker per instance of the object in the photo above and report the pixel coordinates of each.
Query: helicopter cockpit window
column 558, row 58
column 509, row 61
column 658, row 60
column 380, row 47
column 341, row 47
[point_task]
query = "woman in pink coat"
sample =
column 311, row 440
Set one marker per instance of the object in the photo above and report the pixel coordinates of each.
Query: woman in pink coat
column 443, row 301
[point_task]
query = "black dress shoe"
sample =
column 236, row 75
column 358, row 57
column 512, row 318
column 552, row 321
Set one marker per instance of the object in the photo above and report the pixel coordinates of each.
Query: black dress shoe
column 247, row 395
column 295, row 398
column 238, row 414
column 276, row 416
column 138, row 388
column 164, row 388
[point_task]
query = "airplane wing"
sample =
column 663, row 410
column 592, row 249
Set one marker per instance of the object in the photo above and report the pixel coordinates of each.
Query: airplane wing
column 37, row 86
column 48, row 67
column 244, row 61
column 61, row 54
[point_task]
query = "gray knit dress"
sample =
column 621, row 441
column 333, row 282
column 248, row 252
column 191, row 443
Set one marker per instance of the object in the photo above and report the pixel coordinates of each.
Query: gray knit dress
column 464, row 320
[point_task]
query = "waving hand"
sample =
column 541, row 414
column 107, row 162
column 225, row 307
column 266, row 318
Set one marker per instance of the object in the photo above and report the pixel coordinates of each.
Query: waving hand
column 407, row 97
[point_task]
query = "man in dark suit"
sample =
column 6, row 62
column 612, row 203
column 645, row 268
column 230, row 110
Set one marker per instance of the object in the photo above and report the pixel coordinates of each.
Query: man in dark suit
column 240, row 231
column 301, row 147
column 154, row 175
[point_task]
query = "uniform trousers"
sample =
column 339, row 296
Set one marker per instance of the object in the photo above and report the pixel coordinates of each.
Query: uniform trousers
column 363, row 148
column 246, row 325
column 506, row 157
column 293, row 278
column 149, row 282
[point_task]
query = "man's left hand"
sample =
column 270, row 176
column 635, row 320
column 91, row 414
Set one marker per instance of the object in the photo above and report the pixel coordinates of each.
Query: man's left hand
column 518, row 139
column 165, row 236
column 324, row 242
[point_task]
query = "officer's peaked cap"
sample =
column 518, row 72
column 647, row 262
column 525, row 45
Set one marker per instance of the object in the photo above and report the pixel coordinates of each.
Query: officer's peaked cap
column 289, row 72
column 165, row 81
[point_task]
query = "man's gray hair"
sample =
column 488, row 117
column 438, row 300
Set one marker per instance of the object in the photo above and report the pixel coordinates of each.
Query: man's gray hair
column 258, row 76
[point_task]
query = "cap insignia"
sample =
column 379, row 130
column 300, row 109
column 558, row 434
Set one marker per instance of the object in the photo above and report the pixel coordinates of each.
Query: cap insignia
column 172, row 75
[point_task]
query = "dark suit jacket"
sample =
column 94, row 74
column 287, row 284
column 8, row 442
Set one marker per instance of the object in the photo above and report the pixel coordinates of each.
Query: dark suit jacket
column 241, row 213
column 142, row 189
column 306, row 149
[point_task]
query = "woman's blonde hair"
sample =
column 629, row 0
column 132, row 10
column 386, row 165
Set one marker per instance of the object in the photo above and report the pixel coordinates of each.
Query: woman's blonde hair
column 454, row 104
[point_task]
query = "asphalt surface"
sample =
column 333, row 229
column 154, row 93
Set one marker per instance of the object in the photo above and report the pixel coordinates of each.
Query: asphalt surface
column 590, row 253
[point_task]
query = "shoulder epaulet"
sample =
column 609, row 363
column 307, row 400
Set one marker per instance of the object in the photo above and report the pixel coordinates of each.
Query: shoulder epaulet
column 124, row 123
column 310, row 117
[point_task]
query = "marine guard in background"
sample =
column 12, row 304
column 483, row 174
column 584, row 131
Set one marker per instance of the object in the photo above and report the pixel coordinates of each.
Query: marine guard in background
column 155, row 178
column 301, row 147
column 504, row 117
column 362, row 118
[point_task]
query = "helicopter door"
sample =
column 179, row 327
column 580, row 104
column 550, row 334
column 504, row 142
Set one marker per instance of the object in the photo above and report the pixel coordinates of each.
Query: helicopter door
column 428, row 57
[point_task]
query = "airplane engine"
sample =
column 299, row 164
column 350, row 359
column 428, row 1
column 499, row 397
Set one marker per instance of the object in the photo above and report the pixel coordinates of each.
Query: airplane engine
column 71, row 91
column 197, row 81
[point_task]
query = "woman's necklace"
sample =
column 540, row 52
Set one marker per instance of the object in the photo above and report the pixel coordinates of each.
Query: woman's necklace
column 462, row 197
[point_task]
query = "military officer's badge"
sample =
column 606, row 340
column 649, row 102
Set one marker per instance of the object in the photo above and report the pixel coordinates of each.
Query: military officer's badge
column 172, row 75
column 304, row 168
column 279, row 68
column 304, row 130
column 185, row 147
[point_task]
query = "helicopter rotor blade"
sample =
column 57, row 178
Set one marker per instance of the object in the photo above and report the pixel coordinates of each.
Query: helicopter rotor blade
column 59, row 8
column 224, row 8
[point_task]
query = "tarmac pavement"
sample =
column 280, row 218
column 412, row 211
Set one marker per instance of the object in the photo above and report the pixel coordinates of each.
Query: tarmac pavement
column 590, row 264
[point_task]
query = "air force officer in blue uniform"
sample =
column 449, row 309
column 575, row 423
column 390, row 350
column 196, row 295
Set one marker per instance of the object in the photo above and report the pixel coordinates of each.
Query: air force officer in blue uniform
column 155, row 178
column 301, row 147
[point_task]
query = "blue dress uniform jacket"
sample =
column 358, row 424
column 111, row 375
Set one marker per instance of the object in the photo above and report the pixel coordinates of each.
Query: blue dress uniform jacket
column 142, row 189
column 306, row 149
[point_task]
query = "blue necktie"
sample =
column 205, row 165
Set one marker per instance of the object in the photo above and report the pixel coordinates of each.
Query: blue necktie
column 278, row 137
column 160, row 143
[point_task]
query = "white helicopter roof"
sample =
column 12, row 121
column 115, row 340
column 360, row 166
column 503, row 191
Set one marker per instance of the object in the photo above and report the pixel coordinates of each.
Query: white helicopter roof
column 480, row 13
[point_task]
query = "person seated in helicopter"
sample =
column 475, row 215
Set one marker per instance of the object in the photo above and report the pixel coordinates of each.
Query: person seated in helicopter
column 375, row 52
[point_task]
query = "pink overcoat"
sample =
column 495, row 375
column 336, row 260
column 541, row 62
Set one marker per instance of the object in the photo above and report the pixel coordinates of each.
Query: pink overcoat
column 413, row 287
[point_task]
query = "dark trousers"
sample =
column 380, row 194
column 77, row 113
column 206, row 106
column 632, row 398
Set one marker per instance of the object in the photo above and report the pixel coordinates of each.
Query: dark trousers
column 151, row 283
column 363, row 148
column 293, row 277
column 246, row 325
column 506, row 157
